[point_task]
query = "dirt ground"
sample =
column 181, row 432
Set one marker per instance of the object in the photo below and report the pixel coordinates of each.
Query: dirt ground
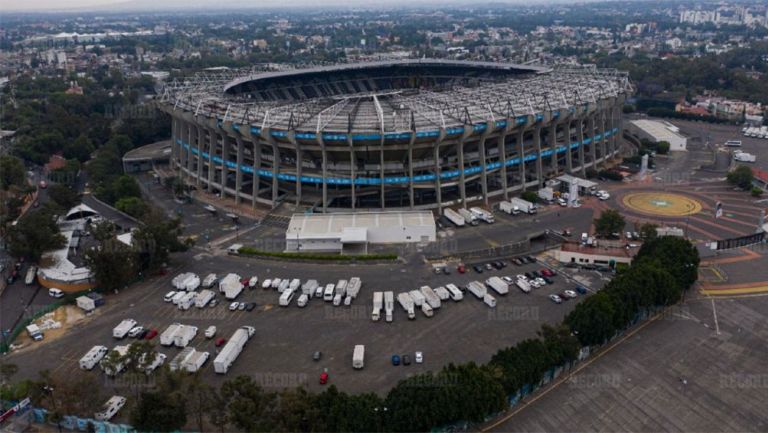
column 67, row 316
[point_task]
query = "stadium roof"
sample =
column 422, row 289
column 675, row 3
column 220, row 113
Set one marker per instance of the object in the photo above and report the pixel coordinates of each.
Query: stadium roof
column 352, row 227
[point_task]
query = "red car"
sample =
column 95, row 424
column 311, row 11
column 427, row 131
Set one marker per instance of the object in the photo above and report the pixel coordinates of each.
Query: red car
column 151, row 334
column 461, row 269
column 323, row 378
column 244, row 281
column 220, row 342
column 547, row 272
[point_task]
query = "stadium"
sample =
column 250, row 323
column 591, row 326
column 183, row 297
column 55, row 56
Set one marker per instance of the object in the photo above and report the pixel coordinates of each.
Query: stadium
column 403, row 134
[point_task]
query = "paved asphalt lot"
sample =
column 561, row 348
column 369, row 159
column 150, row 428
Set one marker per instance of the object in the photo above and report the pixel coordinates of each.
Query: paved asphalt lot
column 679, row 373
column 280, row 355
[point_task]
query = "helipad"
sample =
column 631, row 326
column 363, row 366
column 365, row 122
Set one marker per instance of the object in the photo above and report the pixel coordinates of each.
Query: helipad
column 661, row 204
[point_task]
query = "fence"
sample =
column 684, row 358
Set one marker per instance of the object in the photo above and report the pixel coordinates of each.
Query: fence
column 40, row 416
column 7, row 340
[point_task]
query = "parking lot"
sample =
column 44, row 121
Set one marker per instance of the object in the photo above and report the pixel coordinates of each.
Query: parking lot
column 280, row 354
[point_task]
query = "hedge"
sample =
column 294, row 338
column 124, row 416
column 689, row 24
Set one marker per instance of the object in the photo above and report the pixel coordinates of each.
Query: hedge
column 248, row 251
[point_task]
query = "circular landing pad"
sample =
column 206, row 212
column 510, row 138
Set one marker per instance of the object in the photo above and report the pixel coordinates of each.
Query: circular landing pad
column 661, row 204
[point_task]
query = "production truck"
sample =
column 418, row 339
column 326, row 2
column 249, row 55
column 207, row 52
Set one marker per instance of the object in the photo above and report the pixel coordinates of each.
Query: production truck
column 353, row 288
column 92, row 357
column 523, row 285
column 482, row 214
column 547, row 194
column 309, row 287
column 489, row 300
column 389, row 305
column 469, row 217
column 166, row 338
column 523, row 205
column 509, row 208
column 454, row 217
column 477, row 288
column 209, row 281
column 285, row 298
column 377, row 302
column 430, row 297
column 358, row 357
column 232, row 349
column 341, row 289
column 121, row 330
column 203, row 298
column 418, row 297
column 442, row 293
column 498, row 285
column 231, row 286
column 455, row 292
column 184, row 334
column 187, row 301
column 189, row 359
column 406, row 302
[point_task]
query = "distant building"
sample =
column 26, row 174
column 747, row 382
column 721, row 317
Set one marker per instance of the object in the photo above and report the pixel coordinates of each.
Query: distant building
column 659, row 130
column 574, row 252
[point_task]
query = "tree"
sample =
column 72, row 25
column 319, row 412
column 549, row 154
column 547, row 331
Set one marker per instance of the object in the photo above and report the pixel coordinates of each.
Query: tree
column 114, row 264
column 647, row 231
column 7, row 371
column 593, row 321
column 677, row 255
column 159, row 411
column 756, row 191
column 742, row 177
column 662, row 147
column 250, row 408
column 530, row 196
column 11, row 172
column 125, row 186
column 35, row 234
column 79, row 149
column 200, row 399
column 157, row 238
column 133, row 206
column 63, row 196
column 609, row 222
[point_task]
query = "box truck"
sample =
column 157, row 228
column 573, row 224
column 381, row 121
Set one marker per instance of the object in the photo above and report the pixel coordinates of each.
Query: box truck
column 417, row 296
column 454, row 217
column 353, row 288
column 498, row 285
column 203, row 298
column 406, row 302
column 167, row 336
column 427, row 310
column 92, row 357
column 121, row 330
column 523, row 285
column 187, row 301
column 509, row 208
column 377, row 301
column 489, row 300
column 477, row 288
column 455, row 292
column 309, row 287
column 482, row 214
column 469, row 217
column 430, row 296
column 341, row 288
column 523, row 205
column 184, row 334
column 231, row 286
column 285, row 298
column 358, row 357
column 209, row 281
column 389, row 305
column 442, row 293
column 86, row 303
column 232, row 349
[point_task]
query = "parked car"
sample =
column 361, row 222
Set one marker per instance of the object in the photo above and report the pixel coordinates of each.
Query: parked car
column 395, row 360
column 446, row 270
column 317, row 355
column 241, row 306
column 142, row 334
column 478, row 269
column 133, row 333
column 529, row 276
column 151, row 334
column 323, row 378
column 508, row 280
column 250, row 306
column 581, row 290
column 461, row 269
column 221, row 341
column 233, row 306
column 570, row 294
column 55, row 293
column 548, row 280
column 213, row 302
column 419, row 357
column 169, row 296
column 556, row 299
column 210, row 331
column 406, row 360
column 488, row 266
column 496, row 265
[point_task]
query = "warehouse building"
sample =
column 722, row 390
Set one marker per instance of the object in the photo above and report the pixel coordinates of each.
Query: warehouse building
column 352, row 232
column 659, row 130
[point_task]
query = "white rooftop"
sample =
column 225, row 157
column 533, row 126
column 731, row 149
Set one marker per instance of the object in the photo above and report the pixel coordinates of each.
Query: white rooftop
column 659, row 129
column 584, row 183
column 353, row 226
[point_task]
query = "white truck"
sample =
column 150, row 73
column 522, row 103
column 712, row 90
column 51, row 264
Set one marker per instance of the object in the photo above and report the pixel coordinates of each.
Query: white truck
column 184, row 334
column 427, row 310
column 489, row 300
column 285, row 298
column 341, row 288
column 232, row 349
column 744, row 157
column 546, row 194
column 509, row 208
column 430, row 296
column 186, row 281
column 203, row 298
column 309, row 287
column 284, row 284
column 477, row 288
column 167, row 336
column 121, row 330
column 456, row 293
column 523, row 285
column 110, row 408
column 523, row 205
column 302, row 301
column 337, row 299
column 209, row 281
column 469, row 217
column 294, row 285
column 482, row 214
column 187, row 301
column 92, row 357
column 328, row 292
column 156, row 361
column 31, row 274
column 454, row 217
column 442, row 293
column 276, row 283
column 231, row 286
column 498, row 285
column 406, row 302
column 389, row 305
column 178, row 297
column 353, row 288
column 377, row 302
column 189, row 359
column 418, row 297
column 358, row 357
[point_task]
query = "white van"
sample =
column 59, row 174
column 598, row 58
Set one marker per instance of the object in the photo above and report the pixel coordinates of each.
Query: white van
column 276, row 283
column 319, row 291
column 169, row 296
column 328, row 292
column 303, row 299
column 55, row 293
column 286, row 298
column 358, row 357
column 337, row 299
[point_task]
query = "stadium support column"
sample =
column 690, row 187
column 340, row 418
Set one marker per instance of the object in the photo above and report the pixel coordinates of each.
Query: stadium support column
column 503, row 157
column 592, row 149
column 238, row 169
column 324, row 153
column 188, row 159
column 438, row 180
column 256, row 167
column 521, row 154
column 267, row 136
column 568, row 150
column 299, row 155
column 539, row 163
column 175, row 146
column 211, row 152
column 484, row 172
column 580, row 132
column 460, row 148
column 199, row 168
column 603, row 152
column 410, row 170
column 381, row 171
column 351, row 145
column 224, row 169
column 553, row 146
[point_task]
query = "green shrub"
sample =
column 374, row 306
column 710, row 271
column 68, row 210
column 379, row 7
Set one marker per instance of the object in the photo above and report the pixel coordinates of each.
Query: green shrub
column 249, row 251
